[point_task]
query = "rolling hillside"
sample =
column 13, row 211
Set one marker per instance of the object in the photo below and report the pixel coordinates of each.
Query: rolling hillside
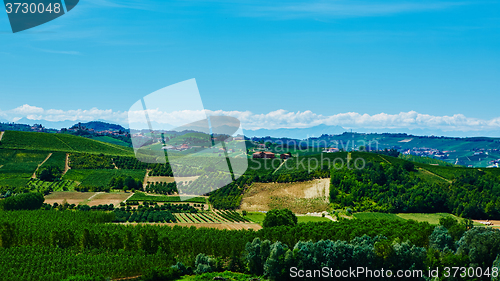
column 60, row 142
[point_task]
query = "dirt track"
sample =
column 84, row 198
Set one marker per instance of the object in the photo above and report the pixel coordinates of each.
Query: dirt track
column 66, row 165
column 495, row 223
column 39, row 165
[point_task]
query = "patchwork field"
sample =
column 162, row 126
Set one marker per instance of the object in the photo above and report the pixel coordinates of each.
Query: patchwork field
column 70, row 197
column 87, row 198
column 300, row 197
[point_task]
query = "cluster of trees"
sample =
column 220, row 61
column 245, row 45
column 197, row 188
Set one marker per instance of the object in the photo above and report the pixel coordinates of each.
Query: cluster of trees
column 163, row 170
column 184, row 171
column 229, row 197
column 298, row 176
column 49, row 173
column 93, row 188
column 275, row 260
column 475, row 194
column 129, row 163
column 39, row 237
column 396, row 188
column 281, row 217
column 125, row 183
column 23, row 201
column 162, row 188
column 101, row 207
column 174, row 208
column 90, row 161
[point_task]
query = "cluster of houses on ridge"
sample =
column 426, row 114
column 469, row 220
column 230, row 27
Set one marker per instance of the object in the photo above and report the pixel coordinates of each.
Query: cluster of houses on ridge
column 270, row 155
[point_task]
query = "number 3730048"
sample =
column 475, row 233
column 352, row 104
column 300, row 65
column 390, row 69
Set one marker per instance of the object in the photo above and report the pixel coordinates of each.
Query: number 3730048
column 33, row 8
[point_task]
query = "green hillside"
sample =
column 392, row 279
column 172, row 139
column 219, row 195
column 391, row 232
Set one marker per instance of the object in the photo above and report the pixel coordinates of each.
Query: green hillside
column 17, row 167
column 59, row 142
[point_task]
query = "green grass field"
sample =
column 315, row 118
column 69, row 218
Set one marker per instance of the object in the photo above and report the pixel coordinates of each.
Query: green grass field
column 258, row 217
column 380, row 216
column 303, row 219
column 430, row 218
column 420, row 217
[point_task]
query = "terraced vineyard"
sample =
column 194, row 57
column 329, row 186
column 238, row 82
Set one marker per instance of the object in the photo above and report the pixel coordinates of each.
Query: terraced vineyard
column 91, row 177
column 209, row 217
column 60, row 142
column 45, row 186
column 17, row 167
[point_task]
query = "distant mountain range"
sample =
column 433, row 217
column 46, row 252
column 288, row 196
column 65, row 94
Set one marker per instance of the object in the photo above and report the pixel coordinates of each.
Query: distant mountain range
column 316, row 131
column 101, row 126
column 294, row 133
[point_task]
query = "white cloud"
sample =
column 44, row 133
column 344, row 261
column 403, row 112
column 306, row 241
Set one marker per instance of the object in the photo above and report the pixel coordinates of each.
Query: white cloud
column 272, row 120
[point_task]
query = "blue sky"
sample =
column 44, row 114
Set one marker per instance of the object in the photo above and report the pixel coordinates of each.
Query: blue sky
column 266, row 59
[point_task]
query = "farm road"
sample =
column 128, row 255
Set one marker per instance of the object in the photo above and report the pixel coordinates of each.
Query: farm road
column 39, row 165
column 66, row 165
column 1, row 135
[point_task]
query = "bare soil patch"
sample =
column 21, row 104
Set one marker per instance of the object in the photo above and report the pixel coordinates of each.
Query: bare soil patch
column 160, row 179
column 71, row 197
column 301, row 197
column 228, row 226
column 109, row 198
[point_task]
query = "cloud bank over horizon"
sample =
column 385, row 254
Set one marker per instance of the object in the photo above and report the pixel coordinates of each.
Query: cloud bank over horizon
column 277, row 119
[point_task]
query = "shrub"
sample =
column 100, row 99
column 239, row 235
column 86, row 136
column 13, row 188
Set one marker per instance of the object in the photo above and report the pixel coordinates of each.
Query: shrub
column 25, row 201
column 279, row 217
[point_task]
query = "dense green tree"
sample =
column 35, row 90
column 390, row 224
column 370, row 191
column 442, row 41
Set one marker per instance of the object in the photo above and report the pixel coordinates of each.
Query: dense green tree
column 7, row 235
column 496, row 267
column 282, row 217
column 50, row 173
column 441, row 240
column 275, row 266
column 481, row 244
